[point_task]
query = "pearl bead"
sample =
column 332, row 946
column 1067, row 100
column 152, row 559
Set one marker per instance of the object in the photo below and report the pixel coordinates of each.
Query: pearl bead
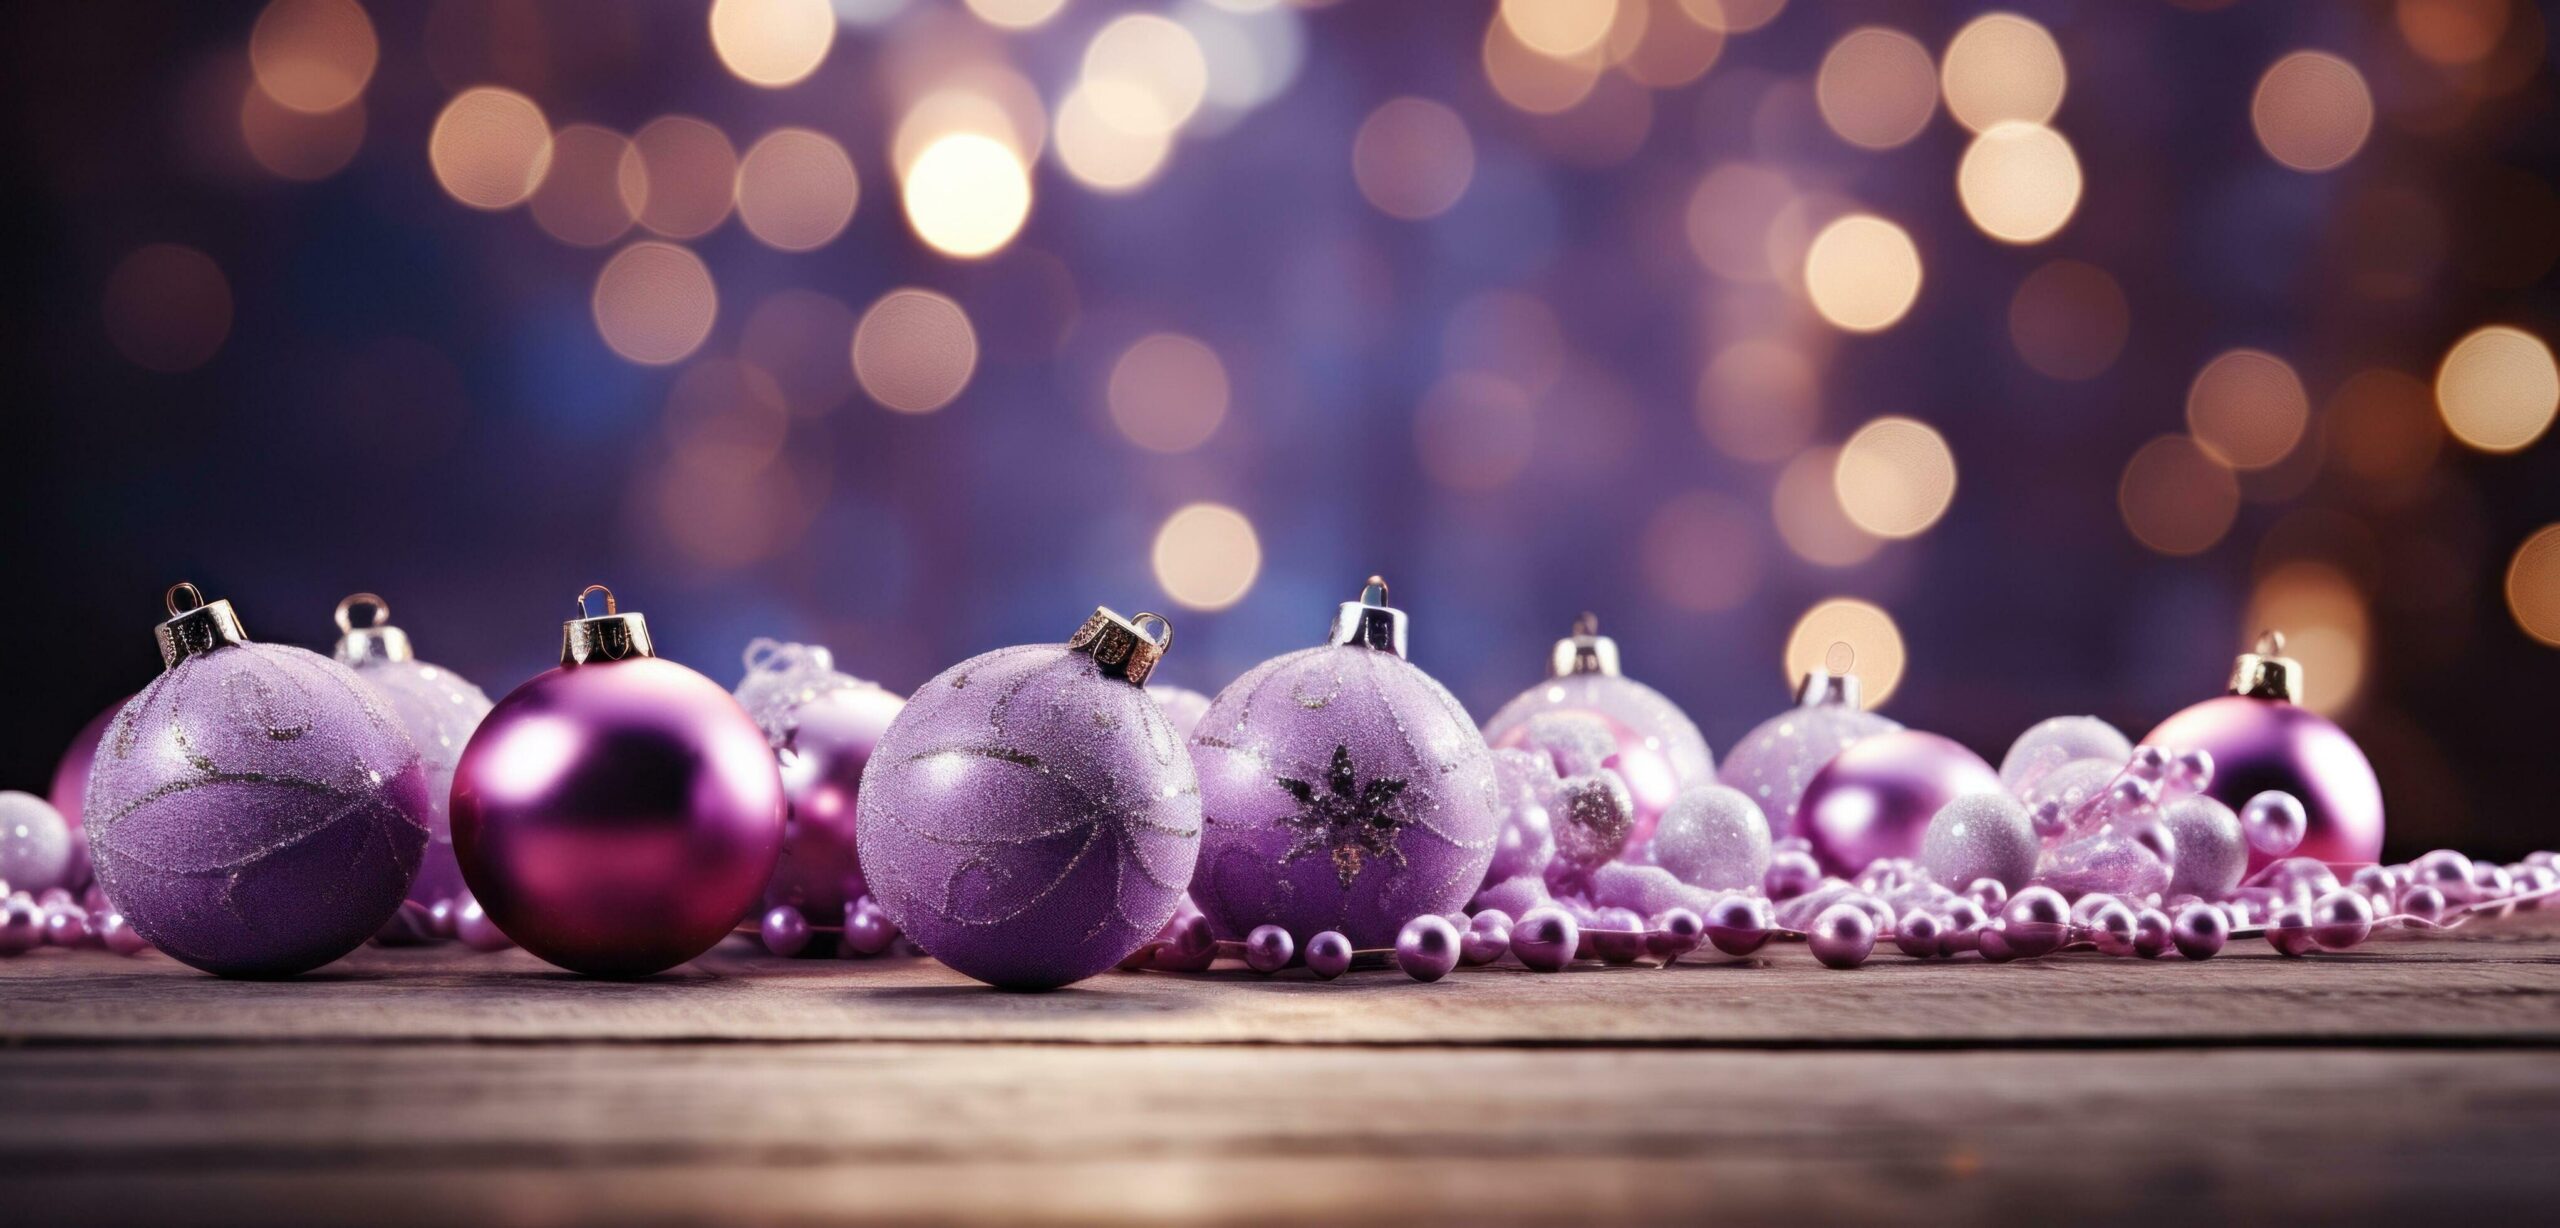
column 1545, row 938
column 1918, row 934
column 2534, row 880
column 472, row 925
column 2274, row 822
column 2199, row 931
column 2445, row 870
column 1268, row 948
column 1843, row 936
column 1616, row 935
column 119, row 936
column 2050, row 818
column 1792, row 872
column 1965, row 915
column 2340, row 920
column 66, row 924
column 1739, row 924
column 54, row 897
column 2087, row 906
column 2289, row 931
column 2490, row 887
column 1193, row 945
column 2148, row 762
column 1329, row 954
column 2150, row 933
column 867, row 930
column 2035, row 922
column 1427, row 949
column 1675, row 933
column 2298, row 880
column 21, row 927
column 784, row 930
column 1991, row 893
column 2113, row 927
column 1993, row 941
column 1488, row 936
column 2191, row 771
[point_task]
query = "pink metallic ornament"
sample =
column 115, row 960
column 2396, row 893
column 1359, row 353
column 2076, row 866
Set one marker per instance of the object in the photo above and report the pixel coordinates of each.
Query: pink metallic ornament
column 823, row 726
column 1652, row 745
column 1774, row 763
column 1030, row 819
column 1876, row 798
column 2261, row 739
column 619, row 815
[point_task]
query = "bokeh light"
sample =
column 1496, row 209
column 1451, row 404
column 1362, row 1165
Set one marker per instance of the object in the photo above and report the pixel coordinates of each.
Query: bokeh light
column 1144, row 74
column 2019, row 182
column 1559, row 28
column 801, row 338
column 2069, row 320
column 2381, row 426
column 2312, row 111
column 1412, row 158
column 299, row 145
column 1167, row 393
column 1103, row 155
column 1846, row 635
column 1701, row 552
column 967, row 195
column 167, row 307
column 1534, row 82
column 1729, row 218
column 1206, row 556
column 2248, row 408
column 796, row 189
column 2452, row 33
column 772, row 43
column 1862, row 273
column 490, row 147
column 584, row 200
column 2498, row 388
column 914, row 351
column 2000, row 68
column 1676, row 48
column 1474, row 432
column 1895, row 477
column 1734, row 16
column 1758, row 400
column 655, row 303
column 2533, row 585
column 1016, row 14
column 313, row 55
column 680, row 176
column 998, row 105
column 2325, row 627
column 1877, row 87
column 1805, row 505
column 2176, row 497
column 1507, row 333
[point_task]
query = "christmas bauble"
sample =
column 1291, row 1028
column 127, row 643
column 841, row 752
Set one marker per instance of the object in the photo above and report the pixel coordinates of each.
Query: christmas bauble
column 1030, row 818
column 2048, row 744
column 70, row 789
column 1344, row 790
column 1981, row 835
column 824, row 726
column 1183, row 707
column 618, row 815
column 1713, row 836
column 1875, row 799
column 1774, row 762
column 35, row 843
column 438, row 708
column 1653, row 746
column 2261, row 738
column 256, row 811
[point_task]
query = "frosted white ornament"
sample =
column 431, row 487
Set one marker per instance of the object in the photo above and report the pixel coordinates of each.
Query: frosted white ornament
column 1981, row 835
column 1713, row 836
column 2049, row 744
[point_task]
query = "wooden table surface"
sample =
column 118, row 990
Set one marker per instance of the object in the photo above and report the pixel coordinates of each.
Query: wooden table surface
column 2411, row 1081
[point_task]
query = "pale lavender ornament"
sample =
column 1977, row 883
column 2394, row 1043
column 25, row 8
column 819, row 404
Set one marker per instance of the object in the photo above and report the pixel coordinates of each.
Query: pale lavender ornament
column 1527, row 844
column 1647, row 740
column 256, row 811
column 35, row 842
column 1978, row 836
column 1774, row 762
column 824, row 725
column 2051, row 743
column 1713, row 836
column 1030, row 818
column 1343, row 788
column 439, row 710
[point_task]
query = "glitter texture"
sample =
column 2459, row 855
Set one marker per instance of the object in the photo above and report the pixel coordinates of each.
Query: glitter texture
column 1285, row 720
column 1713, row 836
column 1652, row 745
column 1774, row 762
column 1981, row 835
column 256, row 811
column 439, row 709
column 1028, row 819
column 2049, row 744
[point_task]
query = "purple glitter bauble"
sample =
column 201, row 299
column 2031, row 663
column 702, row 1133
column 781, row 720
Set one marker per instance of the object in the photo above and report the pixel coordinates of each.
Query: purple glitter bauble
column 2262, row 744
column 823, row 726
column 1774, row 762
column 256, row 811
column 1030, row 819
column 1875, row 799
column 1655, row 748
column 617, row 817
column 1344, row 790
column 439, row 709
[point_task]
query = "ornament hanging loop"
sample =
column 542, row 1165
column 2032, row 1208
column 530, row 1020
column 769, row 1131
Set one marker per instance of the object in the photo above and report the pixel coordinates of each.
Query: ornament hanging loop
column 195, row 627
column 590, row 591
column 347, row 609
column 185, row 590
column 1370, row 622
column 610, row 636
column 2266, row 673
column 375, row 641
column 1586, row 651
column 1122, row 647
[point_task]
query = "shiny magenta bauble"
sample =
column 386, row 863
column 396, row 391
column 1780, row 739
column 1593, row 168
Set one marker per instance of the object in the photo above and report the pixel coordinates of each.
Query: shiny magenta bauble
column 822, row 755
column 1875, row 798
column 617, row 818
column 2262, row 744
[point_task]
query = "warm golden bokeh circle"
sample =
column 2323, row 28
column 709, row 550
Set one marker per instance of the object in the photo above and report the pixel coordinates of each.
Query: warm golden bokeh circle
column 2069, row 320
column 2533, row 585
column 772, row 43
column 490, row 147
column 796, row 189
column 2176, row 497
column 1412, row 158
column 2002, row 67
column 2248, row 408
column 1730, row 215
column 313, row 55
column 2019, row 182
column 914, row 351
column 2498, row 388
column 1144, row 74
column 1895, row 477
column 2453, row 33
column 1016, row 14
column 1805, row 505
column 680, row 176
column 1877, row 87
column 1862, row 273
column 1167, row 393
column 1206, row 556
column 299, row 145
column 967, row 195
column 584, row 200
column 1103, row 155
column 2322, row 615
column 1537, row 83
column 1873, row 646
column 2312, row 111
column 655, row 303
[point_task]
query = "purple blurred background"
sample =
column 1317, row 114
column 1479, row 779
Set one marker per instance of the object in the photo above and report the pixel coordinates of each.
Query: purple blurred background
column 1531, row 315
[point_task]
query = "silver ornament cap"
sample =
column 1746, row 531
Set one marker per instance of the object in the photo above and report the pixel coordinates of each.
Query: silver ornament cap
column 196, row 626
column 2265, row 672
column 611, row 636
column 377, row 641
column 1369, row 622
column 1833, row 685
column 1122, row 647
column 1586, row 651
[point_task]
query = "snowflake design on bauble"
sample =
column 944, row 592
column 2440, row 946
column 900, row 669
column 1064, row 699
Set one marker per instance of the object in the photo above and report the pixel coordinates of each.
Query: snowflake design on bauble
column 1346, row 819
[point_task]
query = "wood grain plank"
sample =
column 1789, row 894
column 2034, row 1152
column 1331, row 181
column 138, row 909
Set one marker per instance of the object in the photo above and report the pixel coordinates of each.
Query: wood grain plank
column 2491, row 984
column 756, row 1133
